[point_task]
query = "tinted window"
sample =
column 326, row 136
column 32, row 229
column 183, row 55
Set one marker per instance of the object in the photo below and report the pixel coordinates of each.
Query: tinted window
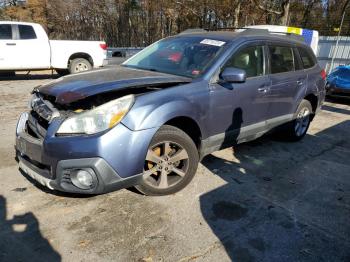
column 5, row 32
column 251, row 59
column 281, row 59
column 26, row 32
column 306, row 58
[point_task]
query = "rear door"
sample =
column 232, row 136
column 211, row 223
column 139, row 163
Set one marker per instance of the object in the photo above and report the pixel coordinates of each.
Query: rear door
column 8, row 48
column 32, row 51
column 287, row 80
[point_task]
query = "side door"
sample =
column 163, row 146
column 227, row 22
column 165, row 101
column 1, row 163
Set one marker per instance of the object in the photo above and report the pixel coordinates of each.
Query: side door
column 33, row 51
column 287, row 80
column 238, row 110
column 8, row 48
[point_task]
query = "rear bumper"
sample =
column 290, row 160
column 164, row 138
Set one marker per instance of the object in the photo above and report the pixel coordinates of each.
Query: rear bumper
column 114, row 158
column 105, row 62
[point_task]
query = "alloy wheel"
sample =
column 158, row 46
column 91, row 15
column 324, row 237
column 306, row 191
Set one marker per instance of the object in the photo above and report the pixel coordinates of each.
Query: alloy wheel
column 302, row 121
column 166, row 165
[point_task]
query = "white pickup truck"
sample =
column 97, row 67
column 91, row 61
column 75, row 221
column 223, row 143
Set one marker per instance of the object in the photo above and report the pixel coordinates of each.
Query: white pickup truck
column 26, row 46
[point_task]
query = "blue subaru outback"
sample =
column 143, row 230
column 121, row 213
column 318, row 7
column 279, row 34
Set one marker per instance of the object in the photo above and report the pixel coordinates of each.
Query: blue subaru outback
column 148, row 122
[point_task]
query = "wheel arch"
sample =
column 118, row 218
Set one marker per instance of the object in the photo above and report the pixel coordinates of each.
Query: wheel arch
column 189, row 126
column 313, row 99
column 81, row 55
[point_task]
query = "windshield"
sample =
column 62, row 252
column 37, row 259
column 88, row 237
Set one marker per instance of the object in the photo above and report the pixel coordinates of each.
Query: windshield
column 185, row 56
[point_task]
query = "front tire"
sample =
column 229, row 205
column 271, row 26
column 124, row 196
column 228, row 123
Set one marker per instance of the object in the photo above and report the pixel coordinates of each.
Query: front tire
column 171, row 162
column 297, row 129
column 79, row 65
column 62, row 72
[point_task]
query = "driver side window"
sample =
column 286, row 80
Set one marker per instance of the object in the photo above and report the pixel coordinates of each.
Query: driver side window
column 250, row 59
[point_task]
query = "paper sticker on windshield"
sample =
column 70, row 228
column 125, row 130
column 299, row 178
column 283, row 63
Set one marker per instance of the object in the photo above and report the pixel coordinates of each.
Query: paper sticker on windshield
column 212, row 42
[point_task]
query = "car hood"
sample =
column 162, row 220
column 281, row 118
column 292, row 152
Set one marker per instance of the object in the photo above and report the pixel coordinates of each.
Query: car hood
column 340, row 77
column 72, row 88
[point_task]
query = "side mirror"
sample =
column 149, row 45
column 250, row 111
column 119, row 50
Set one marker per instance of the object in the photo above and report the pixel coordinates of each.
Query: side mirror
column 233, row 75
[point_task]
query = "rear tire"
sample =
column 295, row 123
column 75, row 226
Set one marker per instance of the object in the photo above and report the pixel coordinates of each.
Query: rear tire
column 170, row 164
column 297, row 129
column 7, row 73
column 79, row 65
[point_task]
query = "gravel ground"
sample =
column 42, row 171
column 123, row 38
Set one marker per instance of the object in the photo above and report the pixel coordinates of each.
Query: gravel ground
column 267, row 200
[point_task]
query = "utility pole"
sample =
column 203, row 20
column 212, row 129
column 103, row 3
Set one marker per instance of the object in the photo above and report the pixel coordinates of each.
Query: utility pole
column 337, row 43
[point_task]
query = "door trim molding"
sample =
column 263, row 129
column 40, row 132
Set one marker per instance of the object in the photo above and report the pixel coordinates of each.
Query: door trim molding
column 241, row 135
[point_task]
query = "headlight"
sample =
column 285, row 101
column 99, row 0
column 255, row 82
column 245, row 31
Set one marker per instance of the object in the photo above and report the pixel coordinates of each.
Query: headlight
column 98, row 119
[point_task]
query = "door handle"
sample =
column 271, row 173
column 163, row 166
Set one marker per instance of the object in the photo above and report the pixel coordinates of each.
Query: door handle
column 11, row 44
column 299, row 83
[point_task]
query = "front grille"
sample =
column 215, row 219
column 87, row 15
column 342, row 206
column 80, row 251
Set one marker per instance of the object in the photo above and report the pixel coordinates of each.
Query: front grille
column 40, row 116
column 44, row 108
column 36, row 125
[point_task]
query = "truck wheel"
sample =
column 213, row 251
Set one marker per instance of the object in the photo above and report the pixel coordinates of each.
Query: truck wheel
column 78, row 65
column 62, row 72
column 297, row 129
column 7, row 73
column 170, row 164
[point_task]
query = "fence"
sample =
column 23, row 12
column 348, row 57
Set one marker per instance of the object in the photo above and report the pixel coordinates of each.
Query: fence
column 327, row 49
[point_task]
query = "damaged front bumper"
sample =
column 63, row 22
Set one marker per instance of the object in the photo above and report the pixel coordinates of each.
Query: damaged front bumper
column 54, row 161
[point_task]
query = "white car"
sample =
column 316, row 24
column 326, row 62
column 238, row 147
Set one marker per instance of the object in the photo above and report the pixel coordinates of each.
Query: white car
column 26, row 46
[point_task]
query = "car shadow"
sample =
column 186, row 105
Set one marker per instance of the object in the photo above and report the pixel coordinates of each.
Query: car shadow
column 282, row 201
column 344, row 100
column 21, row 239
column 23, row 76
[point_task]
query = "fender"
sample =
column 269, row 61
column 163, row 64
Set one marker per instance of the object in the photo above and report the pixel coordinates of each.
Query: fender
column 154, row 109
column 154, row 116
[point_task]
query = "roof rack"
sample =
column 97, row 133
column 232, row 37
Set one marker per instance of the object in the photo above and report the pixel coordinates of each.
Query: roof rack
column 194, row 30
column 245, row 31
column 257, row 31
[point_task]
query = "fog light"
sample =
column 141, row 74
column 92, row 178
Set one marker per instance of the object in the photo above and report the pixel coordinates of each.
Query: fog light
column 83, row 179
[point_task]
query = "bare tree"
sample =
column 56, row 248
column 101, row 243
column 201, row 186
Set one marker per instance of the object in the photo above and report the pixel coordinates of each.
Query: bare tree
column 282, row 10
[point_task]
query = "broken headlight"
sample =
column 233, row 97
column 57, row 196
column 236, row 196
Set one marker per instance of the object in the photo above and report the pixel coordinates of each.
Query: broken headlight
column 98, row 119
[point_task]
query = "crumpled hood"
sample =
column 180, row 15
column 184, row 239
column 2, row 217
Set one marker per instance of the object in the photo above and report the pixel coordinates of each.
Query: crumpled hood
column 72, row 88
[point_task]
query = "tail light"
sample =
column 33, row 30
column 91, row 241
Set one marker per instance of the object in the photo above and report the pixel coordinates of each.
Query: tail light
column 104, row 46
column 323, row 74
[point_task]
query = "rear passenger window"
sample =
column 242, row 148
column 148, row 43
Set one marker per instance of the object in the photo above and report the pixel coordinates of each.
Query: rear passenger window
column 281, row 59
column 5, row 32
column 250, row 59
column 26, row 32
column 306, row 58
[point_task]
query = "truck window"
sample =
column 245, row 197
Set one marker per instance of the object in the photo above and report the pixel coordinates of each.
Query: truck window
column 250, row 59
column 26, row 32
column 5, row 32
column 281, row 59
column 306, row 58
